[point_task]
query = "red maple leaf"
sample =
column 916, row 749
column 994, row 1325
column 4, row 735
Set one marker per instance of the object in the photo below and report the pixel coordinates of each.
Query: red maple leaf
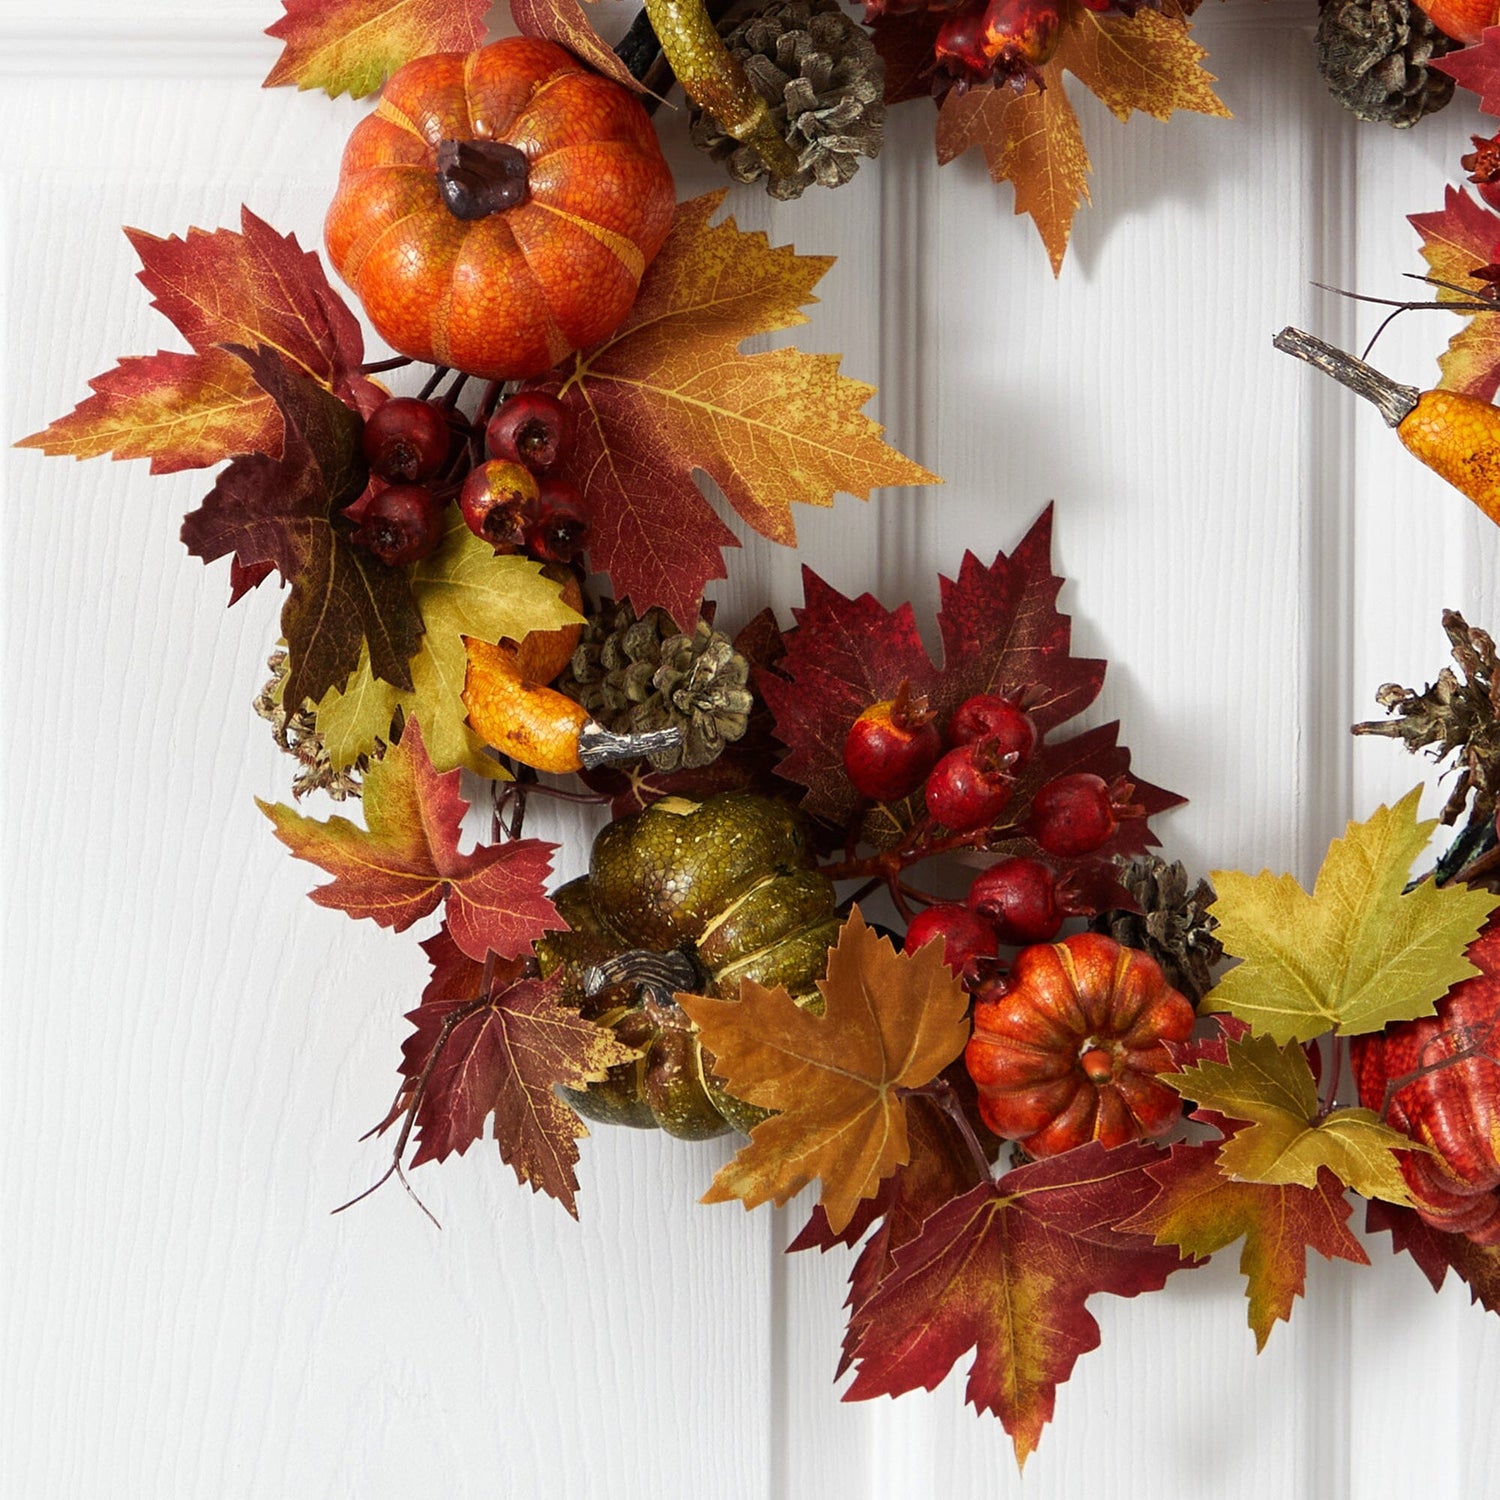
column 905, row 44
column 1006, row 1270
column 1437, row 1253
column 255, row 287
column 941, row 1168
column 843, row 655
column 504, row 1055
column 1095, row 751
column 287, row 513
column 1477, row 68
column 406, row 861
column 1201, row 1210
column 567, row 23
column 1002, row 633
column 194, row 410
column 669, row 395
column 1459, row 242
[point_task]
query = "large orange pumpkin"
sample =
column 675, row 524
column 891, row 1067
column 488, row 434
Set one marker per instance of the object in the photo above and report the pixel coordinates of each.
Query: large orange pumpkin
column 497, row 210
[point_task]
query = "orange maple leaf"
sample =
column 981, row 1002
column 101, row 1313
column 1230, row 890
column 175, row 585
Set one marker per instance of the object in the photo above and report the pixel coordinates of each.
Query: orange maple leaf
column 1201, row 1210
column 669, row 393
column 1143, row 62
column 355, row 45
column 1458, row 240
column 182, row 411
column 891, row 1021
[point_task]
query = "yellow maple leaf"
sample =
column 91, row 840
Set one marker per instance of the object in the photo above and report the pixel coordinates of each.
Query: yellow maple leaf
column 669, row 393
column 1356, row 953
column 1145, row 62
column 891, row 1021
column 1286, row 1140
column 462, row 589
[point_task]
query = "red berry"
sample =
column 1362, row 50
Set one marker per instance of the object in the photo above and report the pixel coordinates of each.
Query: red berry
column 970, row 785
column 990, row 714
column 498, row 501
column 561, row 528
column 400, row 524
column 531, row 428
column 1073, row 814
column 406, row 439
column 1019, row 898
column 891, row 746
column 959, row 46
column 964, row 934
column 1020, row 35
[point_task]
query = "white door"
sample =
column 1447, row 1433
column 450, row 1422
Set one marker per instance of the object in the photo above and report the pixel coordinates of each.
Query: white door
column 193, row 1049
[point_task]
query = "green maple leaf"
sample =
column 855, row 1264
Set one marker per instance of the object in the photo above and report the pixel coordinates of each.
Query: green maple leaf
column 1355, row 954
column 1286, row 1141
column 462, row 589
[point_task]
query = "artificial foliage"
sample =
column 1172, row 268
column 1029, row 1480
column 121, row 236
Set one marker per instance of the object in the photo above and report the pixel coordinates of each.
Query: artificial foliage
column 1087, row 1070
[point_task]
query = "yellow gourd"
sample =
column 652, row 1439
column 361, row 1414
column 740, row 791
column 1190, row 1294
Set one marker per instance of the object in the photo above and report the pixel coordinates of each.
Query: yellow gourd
column 1456, row 436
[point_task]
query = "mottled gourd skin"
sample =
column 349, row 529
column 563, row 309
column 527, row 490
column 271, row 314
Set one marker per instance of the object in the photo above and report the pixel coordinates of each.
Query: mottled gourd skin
column 1458, row 437
column 1454, row 1108
column 510, row 294
column 729, row 881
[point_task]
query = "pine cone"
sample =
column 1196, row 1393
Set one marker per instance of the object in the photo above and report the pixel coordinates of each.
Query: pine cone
column 297, row 734
column 1173, row 924
column 635, row 675
column 1453, row 717
column 818, row 70
column 1374, row 56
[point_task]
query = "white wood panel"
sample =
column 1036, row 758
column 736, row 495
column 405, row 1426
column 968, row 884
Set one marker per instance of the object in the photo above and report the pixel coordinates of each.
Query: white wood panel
column 201, row 1046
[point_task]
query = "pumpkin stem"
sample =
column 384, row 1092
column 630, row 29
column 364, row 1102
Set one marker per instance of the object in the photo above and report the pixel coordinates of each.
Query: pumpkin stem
column 480, row 178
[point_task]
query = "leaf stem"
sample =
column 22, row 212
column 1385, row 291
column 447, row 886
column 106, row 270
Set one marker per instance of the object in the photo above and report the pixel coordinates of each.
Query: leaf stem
column 379, row 366
column 1337, row 1046
column 945, row 1096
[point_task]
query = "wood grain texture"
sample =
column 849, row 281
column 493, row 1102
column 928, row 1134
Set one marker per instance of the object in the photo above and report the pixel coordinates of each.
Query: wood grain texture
column 201, row 1047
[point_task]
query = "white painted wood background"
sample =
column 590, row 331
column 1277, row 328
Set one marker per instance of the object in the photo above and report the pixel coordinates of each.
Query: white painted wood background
column 192, row 1049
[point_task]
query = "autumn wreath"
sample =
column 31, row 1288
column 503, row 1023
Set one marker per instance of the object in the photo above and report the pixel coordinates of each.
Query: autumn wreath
column 500, row 576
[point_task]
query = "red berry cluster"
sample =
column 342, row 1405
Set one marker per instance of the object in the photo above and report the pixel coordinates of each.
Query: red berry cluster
column 510, row 497
column 990, row 41
column 894, row 747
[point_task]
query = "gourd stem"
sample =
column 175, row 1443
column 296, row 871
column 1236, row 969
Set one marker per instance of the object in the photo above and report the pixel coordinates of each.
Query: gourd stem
column 1394, row 402
column 716, row 82
column 598, row 746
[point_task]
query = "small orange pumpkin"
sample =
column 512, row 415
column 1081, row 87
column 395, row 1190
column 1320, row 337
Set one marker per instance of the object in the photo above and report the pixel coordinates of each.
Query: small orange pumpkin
column 497, row 210
column 1065, row 1050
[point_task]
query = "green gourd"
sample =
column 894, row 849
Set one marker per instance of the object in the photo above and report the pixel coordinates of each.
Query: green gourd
column 695, row 897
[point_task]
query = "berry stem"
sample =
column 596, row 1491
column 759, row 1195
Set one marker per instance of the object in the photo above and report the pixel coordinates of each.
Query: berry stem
column 439, row 374
column 379, row 366
column 450, row 399
column 850, row 902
